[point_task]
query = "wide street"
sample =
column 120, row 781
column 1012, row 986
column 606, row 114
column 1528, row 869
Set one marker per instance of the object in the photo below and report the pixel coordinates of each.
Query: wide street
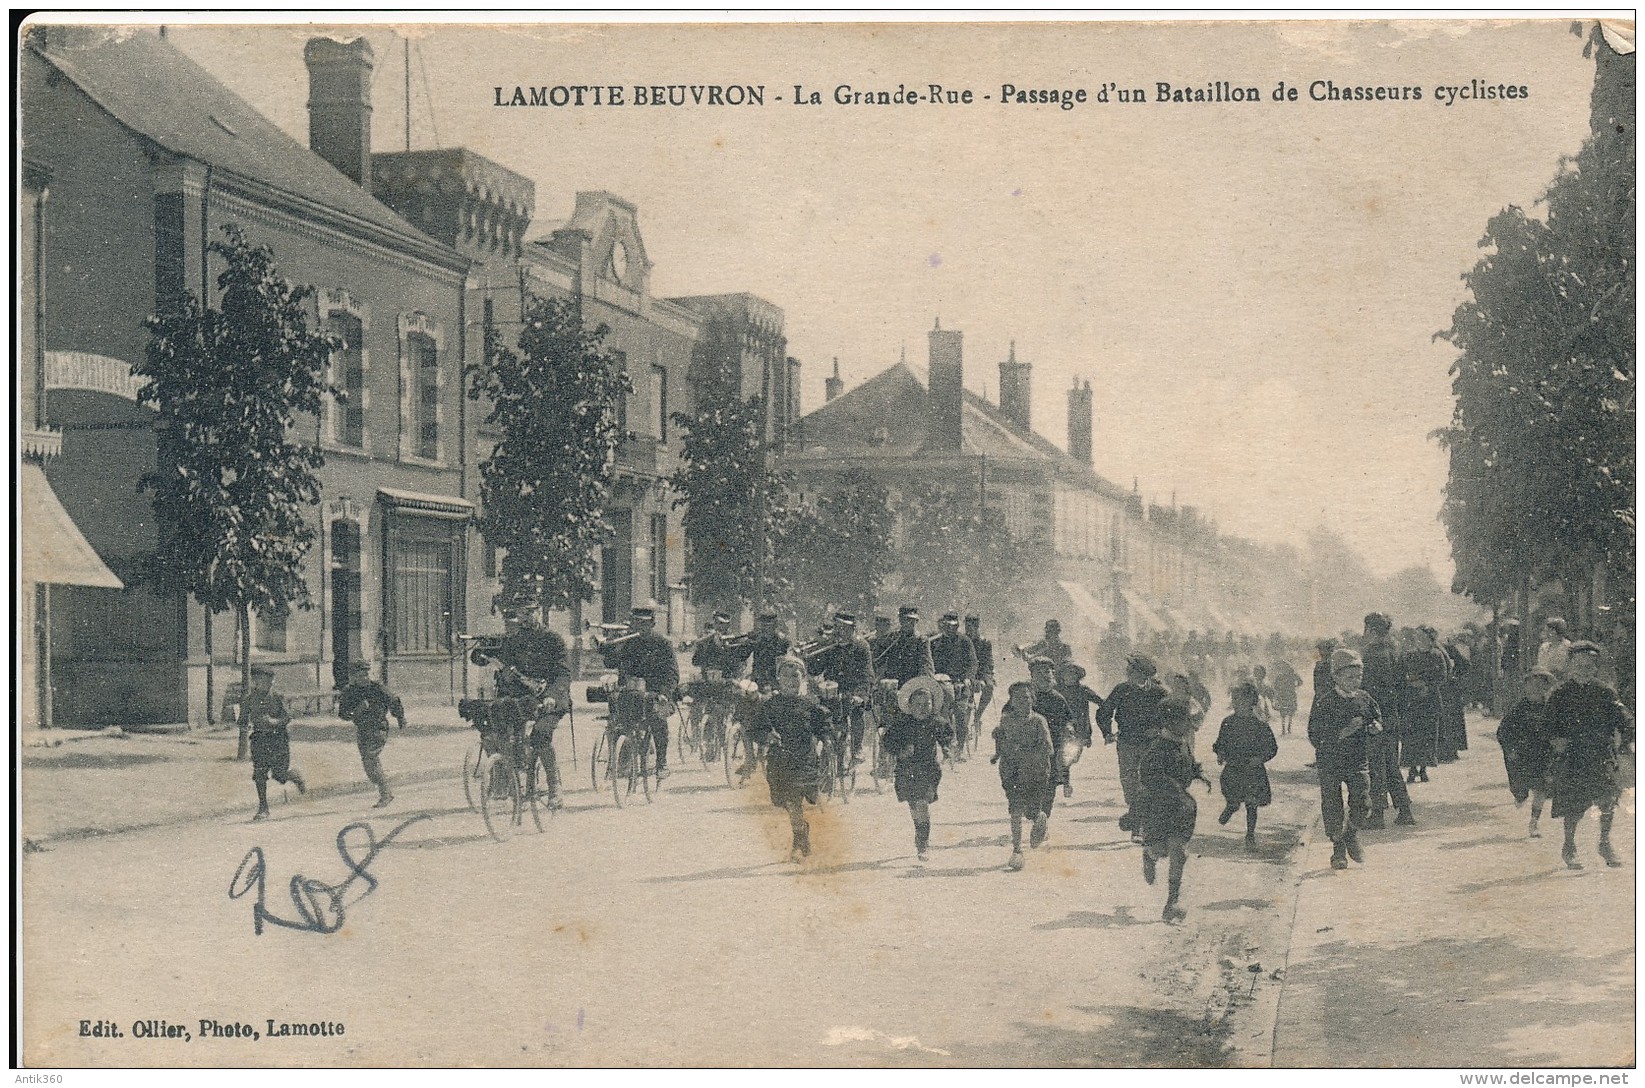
column 675, row 933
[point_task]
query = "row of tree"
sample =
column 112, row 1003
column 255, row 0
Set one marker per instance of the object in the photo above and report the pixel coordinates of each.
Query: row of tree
column 1541, row 443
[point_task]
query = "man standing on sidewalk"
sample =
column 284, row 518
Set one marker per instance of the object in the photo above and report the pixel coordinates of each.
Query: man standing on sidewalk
column 1340, row 724
column 1384, row 674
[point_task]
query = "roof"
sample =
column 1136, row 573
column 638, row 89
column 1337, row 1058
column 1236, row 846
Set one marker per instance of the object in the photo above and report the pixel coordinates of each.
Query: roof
column 895, row 399
column 154, row 89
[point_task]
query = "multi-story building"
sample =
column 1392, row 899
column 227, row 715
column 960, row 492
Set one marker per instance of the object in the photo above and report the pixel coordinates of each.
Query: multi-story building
column 1113, row 560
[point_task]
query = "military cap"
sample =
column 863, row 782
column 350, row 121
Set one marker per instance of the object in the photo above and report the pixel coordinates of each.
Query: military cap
column 908, row 612
column 1054, row 623
column 262, row 670
column 722, row 617
column 973, row 619
column 1584, row 646
column 767, row 614
column 1040, row 661
column 643, row 612
column 950, row 617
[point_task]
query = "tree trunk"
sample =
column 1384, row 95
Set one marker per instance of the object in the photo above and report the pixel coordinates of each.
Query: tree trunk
column 211, row 674
column 243, row 621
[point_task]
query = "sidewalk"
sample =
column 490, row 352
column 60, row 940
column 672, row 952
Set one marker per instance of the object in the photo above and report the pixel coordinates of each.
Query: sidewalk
column 1461, row 942
column 76, row 784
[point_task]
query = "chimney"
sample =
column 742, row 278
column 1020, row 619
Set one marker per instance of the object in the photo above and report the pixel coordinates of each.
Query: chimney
column 1079, row 422
column 833, row 387
column 1014, row 401
column 946, row 377
column 339, row 104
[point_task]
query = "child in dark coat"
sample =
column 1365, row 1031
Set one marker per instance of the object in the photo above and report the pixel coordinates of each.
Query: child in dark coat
column 1022, row 748
column 1081, row 700
column 369, row 705
column 1168, row 811
column 1244, row 746
column 1526, row 752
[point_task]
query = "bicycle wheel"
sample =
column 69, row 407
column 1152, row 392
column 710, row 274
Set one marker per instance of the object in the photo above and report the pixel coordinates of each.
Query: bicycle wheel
column 826, row 771
column 848, row 780
column 650, row 784
column 733, row 756
column 471, row 769
column 540, row 789
column 499, row 787
column 599, row 764
column 622, row 770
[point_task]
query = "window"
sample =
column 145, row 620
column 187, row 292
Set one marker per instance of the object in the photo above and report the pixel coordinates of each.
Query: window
column 659, row 402
column 348, row 374
column 420, row 588
column 619, row 359
column 423, row 368
column 269, row 631
column 168, row 244
column 1019, row 514
column 659, row 559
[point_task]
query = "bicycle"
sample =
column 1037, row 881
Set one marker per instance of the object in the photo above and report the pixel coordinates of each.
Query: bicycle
column 502, row 772
column 625, row 755
column 739, row 751
column 882, row 763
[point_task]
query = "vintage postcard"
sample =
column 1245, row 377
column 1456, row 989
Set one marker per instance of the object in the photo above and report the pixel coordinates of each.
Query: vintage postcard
column 958, row 543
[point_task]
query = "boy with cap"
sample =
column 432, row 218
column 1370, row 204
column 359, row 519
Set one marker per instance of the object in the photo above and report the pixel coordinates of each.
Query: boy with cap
column 1340, row 725
column 1024, row 751
column 1589, row 730
column 1080, row 700
column 270, row 743
column 1167, row 811
column 368, row 705
column 1133, row 708
column 1049, row 704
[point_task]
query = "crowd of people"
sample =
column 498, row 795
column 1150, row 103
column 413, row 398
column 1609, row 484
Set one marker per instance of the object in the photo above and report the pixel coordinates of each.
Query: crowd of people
column 1388, row 707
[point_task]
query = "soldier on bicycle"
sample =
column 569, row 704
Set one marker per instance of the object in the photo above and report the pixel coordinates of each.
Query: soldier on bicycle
column 647, row 656
column 953, row 656
column 847, row 662
column 985, row 668
column 719, row 659
column 767, row 647
column 536, row 677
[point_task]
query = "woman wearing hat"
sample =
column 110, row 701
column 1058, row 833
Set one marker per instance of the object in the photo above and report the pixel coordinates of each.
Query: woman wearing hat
column 791, row 724
column 917, row 733
column 1425, row 669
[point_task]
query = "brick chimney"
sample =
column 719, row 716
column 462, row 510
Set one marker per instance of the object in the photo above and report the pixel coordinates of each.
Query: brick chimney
column 1014, row 392
column 946, row 377
column 833, row 387
column 1079, row 422
column 339, row 104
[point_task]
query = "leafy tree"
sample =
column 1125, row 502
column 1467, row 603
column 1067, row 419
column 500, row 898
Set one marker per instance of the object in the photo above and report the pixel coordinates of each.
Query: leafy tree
column 1541, row 442
column 952, row 552
column 545, row 485
column 723, row 468
column 231, row 481
column 837, row 552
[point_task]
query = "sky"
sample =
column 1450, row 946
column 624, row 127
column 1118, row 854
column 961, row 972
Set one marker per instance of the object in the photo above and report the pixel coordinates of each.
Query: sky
column 1252, row 289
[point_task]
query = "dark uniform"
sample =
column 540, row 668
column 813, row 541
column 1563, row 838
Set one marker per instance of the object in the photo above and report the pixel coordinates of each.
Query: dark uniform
column 1050, row 646
column 650, row 657
column 1050, row 705
column 368, row 705
column 1133, row 710
column 903, row 657
column 985, row 672
column 850, row 665
column 1342, row 762
column 1526, row 753
column 1384, row 677
column 537, row 655
column 953, row 656
column 764, row 652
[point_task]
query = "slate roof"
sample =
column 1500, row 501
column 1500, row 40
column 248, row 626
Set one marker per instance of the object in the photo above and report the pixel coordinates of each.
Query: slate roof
column 156, row 90
column 895, row 399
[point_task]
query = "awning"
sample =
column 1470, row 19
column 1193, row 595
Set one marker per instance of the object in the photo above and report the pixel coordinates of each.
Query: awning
column 418, row 504
column 1088, row 607
column 55, row 552
column 1142, row 614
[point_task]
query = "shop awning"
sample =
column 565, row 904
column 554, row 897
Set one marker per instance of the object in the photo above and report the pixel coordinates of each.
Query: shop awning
column 427, row 506
column 1142, row 613
column 54, row 551
column 1088, row 607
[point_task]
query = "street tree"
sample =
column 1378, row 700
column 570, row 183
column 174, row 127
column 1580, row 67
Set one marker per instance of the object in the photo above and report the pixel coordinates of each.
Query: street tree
column 954, row 552
column 556, row 397
column 838, row 551
column 1542, row 470
column 232, row 481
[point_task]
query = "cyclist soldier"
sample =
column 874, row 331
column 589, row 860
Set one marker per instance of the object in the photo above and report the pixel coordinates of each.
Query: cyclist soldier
column 904, row 655
column 985, row 668
column 847, row 663
column 535, row 674
column 719, row 660
column 953, row 656
column 645, row 655
column 766, row 648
